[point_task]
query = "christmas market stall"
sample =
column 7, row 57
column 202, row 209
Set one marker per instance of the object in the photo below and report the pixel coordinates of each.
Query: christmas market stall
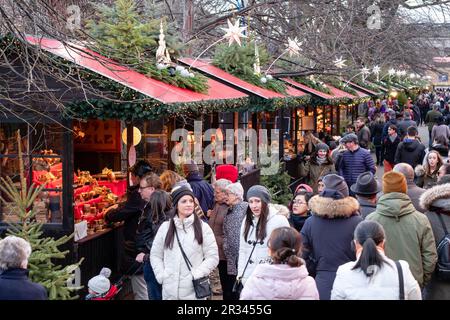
column 267, row 109
column 330, row 110
column 83, row 162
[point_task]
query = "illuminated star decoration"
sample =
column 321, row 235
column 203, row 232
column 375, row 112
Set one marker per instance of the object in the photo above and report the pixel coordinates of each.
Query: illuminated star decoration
column 340, row 63
column 234, row 32
column 365, row 71
column 376, row 70
column 391, row 71
column 293, row 47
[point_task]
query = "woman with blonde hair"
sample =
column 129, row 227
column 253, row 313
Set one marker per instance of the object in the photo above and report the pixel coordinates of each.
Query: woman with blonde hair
column 427, row 175
column 170, row 180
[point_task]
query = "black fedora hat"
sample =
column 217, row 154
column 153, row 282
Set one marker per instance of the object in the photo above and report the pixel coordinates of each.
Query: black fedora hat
column 366, row 184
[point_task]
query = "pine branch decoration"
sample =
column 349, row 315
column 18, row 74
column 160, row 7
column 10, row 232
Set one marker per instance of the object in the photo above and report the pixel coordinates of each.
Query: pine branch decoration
column 41, row 263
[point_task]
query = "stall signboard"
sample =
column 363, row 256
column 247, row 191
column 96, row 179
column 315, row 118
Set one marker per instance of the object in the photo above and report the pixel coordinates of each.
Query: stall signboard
column 98, row 136
column 307, row 123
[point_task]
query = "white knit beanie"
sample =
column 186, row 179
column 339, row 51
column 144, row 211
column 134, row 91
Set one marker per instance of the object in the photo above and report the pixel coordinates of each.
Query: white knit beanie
column 236, row 189
column 100, row 284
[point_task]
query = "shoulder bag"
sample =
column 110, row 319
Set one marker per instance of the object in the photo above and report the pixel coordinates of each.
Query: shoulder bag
column 238, row 286
column 400, row 281
column 202, row 285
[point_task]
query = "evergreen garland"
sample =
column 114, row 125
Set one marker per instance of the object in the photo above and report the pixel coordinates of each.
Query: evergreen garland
column 341, row 86
column 312, row 84
column 367, row 86
column 121, row 36
column 238, row 61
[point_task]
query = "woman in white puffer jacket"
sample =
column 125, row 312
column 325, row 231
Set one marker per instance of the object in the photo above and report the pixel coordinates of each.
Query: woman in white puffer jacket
column 198, row 242
column 260, row 220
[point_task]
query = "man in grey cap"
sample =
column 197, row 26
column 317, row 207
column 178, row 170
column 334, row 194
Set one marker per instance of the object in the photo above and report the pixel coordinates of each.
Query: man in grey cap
column 392, row 120
column 414, row 192
column 366, row 189
column 354, row 160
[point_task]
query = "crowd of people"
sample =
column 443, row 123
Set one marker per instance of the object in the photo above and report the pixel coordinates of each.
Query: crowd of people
column 344, row 234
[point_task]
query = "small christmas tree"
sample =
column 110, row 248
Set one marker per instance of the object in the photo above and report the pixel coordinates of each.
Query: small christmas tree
column 121, row 33
column 41, row 264
column 278, row 184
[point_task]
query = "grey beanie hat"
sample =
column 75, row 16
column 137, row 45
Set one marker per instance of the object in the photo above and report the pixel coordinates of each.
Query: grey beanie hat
column 335, row 182
column 322, row 146
column 259, row 191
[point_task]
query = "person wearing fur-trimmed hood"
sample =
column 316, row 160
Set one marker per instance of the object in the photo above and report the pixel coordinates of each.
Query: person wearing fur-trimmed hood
column 328, row 233
column 436, row 201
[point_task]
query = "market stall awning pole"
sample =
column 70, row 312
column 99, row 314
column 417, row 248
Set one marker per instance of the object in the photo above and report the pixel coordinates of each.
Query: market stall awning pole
column 130, row 142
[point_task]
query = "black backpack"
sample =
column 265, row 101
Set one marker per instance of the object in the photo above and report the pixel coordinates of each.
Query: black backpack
column 443, row 252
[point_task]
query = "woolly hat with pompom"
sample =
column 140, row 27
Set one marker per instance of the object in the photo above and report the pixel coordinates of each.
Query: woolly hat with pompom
column 100, row 284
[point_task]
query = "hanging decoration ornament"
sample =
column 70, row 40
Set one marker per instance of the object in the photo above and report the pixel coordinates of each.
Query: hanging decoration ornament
column 376, row 71
column 233, row 33
column 364, row 72
column 340, row 63
column 293, row 47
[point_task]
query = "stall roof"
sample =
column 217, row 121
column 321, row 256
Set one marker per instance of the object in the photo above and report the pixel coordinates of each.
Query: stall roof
column 155, row 89
column 213, row 71
column 307, row 89
column 364, row 89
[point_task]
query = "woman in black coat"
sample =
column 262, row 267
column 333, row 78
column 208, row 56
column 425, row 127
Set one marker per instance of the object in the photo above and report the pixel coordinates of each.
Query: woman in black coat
column 155, row 212
column 328, row 233
column 376, row 131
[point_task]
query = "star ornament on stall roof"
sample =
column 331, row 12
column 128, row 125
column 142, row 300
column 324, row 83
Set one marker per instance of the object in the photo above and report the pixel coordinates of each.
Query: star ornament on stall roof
column 376, row 70
column 234, row 32
column 293, row 47
column 365, row 71
column 391, row 71
column 340, row 63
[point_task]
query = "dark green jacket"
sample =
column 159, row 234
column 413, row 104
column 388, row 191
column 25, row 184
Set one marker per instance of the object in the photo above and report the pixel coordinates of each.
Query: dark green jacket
column 431, row 118
column 408, row 234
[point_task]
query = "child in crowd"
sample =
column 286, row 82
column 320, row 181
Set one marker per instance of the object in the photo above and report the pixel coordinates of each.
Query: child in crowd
column 99, row 286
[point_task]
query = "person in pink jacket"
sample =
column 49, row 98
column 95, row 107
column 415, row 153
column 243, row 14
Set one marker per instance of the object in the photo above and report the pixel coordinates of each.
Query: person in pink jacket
column 286, row 278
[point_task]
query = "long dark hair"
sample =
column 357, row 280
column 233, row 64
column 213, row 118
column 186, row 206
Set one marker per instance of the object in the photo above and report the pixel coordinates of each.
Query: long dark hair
column 369, row 234
column 160, row 205
column 168, row 243
column 260, row 231
column 285, row 244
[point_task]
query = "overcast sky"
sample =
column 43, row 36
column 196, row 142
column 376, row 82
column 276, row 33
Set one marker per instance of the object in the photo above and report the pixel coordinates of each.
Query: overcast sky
column 435, row 14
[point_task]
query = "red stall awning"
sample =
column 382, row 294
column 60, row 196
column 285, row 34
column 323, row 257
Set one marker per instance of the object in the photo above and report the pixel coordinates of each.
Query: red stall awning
column 152, row 88
column 213, row 71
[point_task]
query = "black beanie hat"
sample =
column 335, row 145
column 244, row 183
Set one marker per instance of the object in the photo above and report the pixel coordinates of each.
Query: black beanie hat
column 178, row 193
